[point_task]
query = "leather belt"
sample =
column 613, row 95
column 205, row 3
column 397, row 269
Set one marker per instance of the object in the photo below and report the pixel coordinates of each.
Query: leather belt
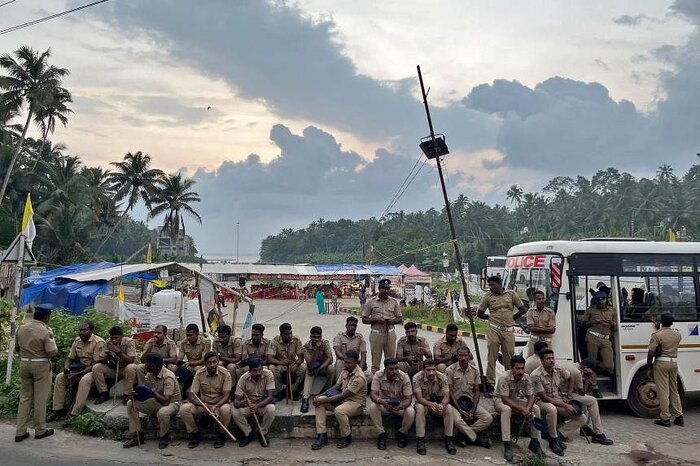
column 540, row 338
column 666, row 359
column 599, row 335
column 41, row 359
column 502, row 327
column 383, row 331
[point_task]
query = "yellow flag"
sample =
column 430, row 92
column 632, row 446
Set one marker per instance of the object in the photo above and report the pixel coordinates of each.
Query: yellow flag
column 158, row 283
column 149, row 254
column 671, row 235
column 28, row 227
column 120, row 294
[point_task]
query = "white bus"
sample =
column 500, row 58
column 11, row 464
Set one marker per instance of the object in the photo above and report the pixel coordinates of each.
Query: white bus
column 495, row 265
column 646, row 279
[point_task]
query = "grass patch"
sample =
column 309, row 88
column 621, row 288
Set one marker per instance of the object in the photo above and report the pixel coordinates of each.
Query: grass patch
column 436, row 317
column 88, row 424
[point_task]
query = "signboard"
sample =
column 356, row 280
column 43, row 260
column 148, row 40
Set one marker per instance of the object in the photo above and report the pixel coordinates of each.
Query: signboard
column 208, row 304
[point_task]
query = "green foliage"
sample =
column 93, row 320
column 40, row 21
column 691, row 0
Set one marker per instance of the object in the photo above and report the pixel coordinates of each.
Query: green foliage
column 533, row 460
column 9, row 394
column 439, row 318
column 5, row 315
column 89, row 424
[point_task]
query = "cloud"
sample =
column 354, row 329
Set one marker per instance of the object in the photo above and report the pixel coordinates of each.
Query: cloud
column 627, row 20
column 690, row 9
column 601, row 64
column 665, row 54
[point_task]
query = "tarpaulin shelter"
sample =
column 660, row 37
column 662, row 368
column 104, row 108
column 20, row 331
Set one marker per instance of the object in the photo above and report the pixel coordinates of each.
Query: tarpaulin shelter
column 413, row 276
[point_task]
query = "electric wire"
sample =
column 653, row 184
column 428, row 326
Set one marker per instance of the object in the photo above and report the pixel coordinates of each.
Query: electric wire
column 47, row 18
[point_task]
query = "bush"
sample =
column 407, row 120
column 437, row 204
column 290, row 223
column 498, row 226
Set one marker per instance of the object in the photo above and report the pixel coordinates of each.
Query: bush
column 6, row 306
column 88, row 424
column 9, row 394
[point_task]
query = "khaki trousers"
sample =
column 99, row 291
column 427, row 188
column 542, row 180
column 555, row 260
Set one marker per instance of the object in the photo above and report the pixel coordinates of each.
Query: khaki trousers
column 381, row 342
column 482, row 421
column 342, row 412
column 603, row 346
column 102, row 372
column 407, row 415
column 552, row 414
column 309, row 379
column 666, row 380
column 593, row 417
column 447, row 419
column 59, row 392
column 240, row 417
column 35, row 389
column 281, row 385
column 506, row 414
column 152, row 408
column 188, row 411
column 498, row 340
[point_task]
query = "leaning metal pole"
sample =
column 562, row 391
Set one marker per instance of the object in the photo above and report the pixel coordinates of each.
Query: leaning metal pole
column 455, row 243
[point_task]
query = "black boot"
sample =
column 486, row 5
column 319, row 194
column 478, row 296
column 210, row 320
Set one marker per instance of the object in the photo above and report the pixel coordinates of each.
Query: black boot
column 450, row 446
column 679, row 421
column 597, row 393
column 164, row 442
column 460, row 440
column 536, row 448
column 381, row 441
column 663, row 423
column 53, row 415
column 482, row 440
column 195, row 438
column 555, row 446
column 601, row 439
column 304, row 405
column 401, row 440
column 320, row 442
column 508, row 451
column 134, row 441
column 420, row 445
column 246, row 439
column 345, row 442
column 44, row 434
column 220, row 440
column 101, row 398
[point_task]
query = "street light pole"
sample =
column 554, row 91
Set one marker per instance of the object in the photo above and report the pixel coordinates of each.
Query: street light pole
column 238, row 236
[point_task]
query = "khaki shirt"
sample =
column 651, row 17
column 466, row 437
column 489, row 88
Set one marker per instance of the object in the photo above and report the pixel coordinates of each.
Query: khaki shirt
column 580, row 382
column 321, row 354
column 211, row 388
column 256, row 391
column 500, row 307
column 250, row 349
column 424, row 387
column 193, row 352
column 35, row 340
column 462, row 381
column 280, row 350
column 356, row 343
column 165, row 383
column 669, row 339
column 404, row 348
column 86, row 352
column 127, row 348
column 233, row 350
column 389, row 309
column 543, row 318
column 508, row 387
column 532, row 363
column 593, row 313
column 551, row 384
column 356, row 382
column 168, row 349
column 400, row 387
column 442, row 349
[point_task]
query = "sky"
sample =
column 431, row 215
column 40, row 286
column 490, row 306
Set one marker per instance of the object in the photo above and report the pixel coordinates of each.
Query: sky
column 287, row 112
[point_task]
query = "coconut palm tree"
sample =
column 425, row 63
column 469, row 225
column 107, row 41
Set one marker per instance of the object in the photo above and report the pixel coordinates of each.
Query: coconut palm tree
column 173, row 198
column 47, row 116
column 515, row 194
column 30, row 81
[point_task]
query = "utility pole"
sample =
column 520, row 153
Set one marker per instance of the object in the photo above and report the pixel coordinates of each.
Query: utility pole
column 435, row 147
column 17, row 295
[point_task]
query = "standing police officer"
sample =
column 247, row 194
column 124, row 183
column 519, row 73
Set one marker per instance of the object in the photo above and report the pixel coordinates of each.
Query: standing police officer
column 663, row 350
column 601, row 322
column 382, row 312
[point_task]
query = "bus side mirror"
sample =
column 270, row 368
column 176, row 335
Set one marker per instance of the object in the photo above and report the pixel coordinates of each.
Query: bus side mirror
column 568, row 295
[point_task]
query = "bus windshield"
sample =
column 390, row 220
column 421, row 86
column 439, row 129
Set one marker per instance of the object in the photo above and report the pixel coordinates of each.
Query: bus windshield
column 527, row 274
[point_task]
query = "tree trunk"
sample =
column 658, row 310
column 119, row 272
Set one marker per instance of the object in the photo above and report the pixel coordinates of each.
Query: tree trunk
column 41, row 151
column 6, row 181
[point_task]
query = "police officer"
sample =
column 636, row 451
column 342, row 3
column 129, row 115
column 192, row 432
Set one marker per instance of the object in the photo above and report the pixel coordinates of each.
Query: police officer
column 77, row 367
column 160, row 343
column 36, row 348
column 391, row 394
column 230, row 351
column 319, row 362
column 601, row 321
column 432, row 394
column 119, row 351
column 663, row 351
column 500, row 303
column 350, row 339
column 541, row 322
column 446, row 348
column 255, row 346
column 254, row 394
column 285, row 354
column 411, row 350
column 193, row 347
column 382, row 312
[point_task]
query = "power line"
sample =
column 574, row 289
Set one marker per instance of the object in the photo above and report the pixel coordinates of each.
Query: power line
column 7, row 3
column 393, row 199
column 47, row 18
column 402, row 191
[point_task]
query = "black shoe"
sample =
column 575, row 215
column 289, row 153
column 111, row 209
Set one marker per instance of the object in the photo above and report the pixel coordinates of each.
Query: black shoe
column 679, row 421
column 536, row 448
column 597, row 393
column 661, row 422
column 195, row 438
column 344, row 442
column 163, row 442
column 586, row 431
column 44, row 434
column 19, row 438
column 101, row 398
column 246, row 439
column 53, row 415
column 602, row 439
column 460, row 440
column 482, row 441
column 220, row 440
column 304, row 405
column 508, row 451
column 450, row 446
column 381, row 441
column 420, row 445
column 134, row 441
column 320, row 442
column 401, row 440
column 563, row 440
column 556, row 446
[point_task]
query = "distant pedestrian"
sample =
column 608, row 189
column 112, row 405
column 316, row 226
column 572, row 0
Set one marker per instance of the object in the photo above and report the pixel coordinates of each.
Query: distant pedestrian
column 320, row 301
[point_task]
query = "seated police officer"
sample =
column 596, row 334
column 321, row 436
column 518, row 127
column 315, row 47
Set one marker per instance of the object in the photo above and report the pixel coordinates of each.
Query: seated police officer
column 432, row 397
column 391, row 394
column 119, row 353
column 254, row 394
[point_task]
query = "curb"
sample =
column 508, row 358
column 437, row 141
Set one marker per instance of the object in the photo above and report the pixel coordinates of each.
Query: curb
column 430, row 328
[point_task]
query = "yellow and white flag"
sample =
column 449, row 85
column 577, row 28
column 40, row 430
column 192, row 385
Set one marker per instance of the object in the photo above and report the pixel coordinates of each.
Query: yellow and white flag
column 120, row 294
column 28, row 227
column 671, row 235
column 149, row 255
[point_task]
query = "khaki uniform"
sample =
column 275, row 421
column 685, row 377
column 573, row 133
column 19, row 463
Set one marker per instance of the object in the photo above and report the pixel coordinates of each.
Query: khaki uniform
column 250, row 349
column 593, row 418
column 442, row 349
column 101, row 371
column 382, row 338
column 500, row 335
column 292, row 350
column 587, row 383
column 551, row 384
column 598, row 336
column 354, row 381
column 537, row 318
column 36, row 348
column 168, row 350
column 356, row 343
column 531, row 363
column 164, row 383
column 385, row 388
column 462, row 383
column 320, row 355
column 256, row 391
column 666, row 371
column 438, row 387
column 420, row 349
column 517, row 391
column 210, row 389
column 234, row 350
column 87, row 353
column 196, row 352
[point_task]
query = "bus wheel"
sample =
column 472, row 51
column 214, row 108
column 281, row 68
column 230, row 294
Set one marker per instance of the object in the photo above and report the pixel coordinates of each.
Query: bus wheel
column 642, row 398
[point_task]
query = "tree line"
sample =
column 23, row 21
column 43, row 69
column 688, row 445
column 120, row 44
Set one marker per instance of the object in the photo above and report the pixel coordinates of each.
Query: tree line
column 82, row 213
column 611, row 203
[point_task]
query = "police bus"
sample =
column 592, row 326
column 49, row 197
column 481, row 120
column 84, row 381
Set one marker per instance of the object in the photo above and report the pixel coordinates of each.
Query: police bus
column 645, row 280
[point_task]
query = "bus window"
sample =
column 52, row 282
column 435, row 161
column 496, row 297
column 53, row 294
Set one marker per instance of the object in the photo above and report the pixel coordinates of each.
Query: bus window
column 527, row 274
column 651, row 296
